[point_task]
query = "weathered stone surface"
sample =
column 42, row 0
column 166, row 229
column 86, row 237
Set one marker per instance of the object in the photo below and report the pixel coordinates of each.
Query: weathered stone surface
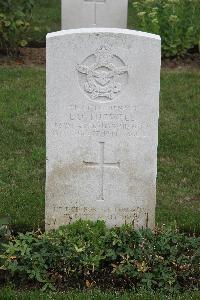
column 102, row 126
column 94, row 13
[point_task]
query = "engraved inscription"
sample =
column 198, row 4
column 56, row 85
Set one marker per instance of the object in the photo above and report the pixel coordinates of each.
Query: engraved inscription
column 101, row 164
column 100, row 121
column 102, row 75
column 63, row 215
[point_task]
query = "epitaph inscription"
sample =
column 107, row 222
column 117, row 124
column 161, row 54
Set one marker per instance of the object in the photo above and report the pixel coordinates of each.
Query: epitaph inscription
column 102, row 75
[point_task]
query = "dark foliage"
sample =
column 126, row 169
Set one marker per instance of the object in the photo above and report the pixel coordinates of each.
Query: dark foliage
column 15, row 17
column 89, row 254
column 176, row 21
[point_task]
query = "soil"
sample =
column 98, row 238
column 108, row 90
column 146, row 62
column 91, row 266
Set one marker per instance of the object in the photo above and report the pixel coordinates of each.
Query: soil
column 27, row 56
column 37, row 56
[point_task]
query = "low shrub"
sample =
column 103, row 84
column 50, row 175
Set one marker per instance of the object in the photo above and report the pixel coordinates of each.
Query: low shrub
column 176, row 21
column 87, row 254
column 15, row 17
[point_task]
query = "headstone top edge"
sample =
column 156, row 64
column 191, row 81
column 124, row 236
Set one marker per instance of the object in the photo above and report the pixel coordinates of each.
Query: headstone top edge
column 103, row 30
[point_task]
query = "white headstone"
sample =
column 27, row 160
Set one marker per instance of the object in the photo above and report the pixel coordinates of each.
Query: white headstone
column 102, row 126
column 94, row 13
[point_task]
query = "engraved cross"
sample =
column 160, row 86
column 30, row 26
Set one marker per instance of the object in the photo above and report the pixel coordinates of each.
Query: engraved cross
column 95, row 2
column 101, row 164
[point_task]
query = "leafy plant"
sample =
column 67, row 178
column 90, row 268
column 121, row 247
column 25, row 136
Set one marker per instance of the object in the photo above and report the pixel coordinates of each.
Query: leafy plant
column 15, row 17
column 164, row 259
column 89, row 254
column 176, row 21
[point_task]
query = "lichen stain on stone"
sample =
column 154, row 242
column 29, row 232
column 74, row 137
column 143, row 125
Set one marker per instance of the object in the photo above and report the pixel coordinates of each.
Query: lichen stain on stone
column 63, row 176
column 134, row 181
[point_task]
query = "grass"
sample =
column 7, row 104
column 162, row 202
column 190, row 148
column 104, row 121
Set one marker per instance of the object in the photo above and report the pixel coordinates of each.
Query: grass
column 8, row 294
column 22, row 152
column 47, row 16
column 179, row 143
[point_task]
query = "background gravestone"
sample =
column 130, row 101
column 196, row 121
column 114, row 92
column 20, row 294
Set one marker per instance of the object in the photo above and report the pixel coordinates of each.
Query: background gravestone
column 102, row 126
column 94, row 13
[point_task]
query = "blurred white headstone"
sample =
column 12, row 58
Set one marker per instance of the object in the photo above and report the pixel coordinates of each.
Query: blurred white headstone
column 94, row 13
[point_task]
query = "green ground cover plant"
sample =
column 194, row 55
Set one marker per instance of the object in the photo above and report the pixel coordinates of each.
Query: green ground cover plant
column 88, row 254
column 9, row 294
column 176, row 21
column 15, row 18
column 22, row 151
